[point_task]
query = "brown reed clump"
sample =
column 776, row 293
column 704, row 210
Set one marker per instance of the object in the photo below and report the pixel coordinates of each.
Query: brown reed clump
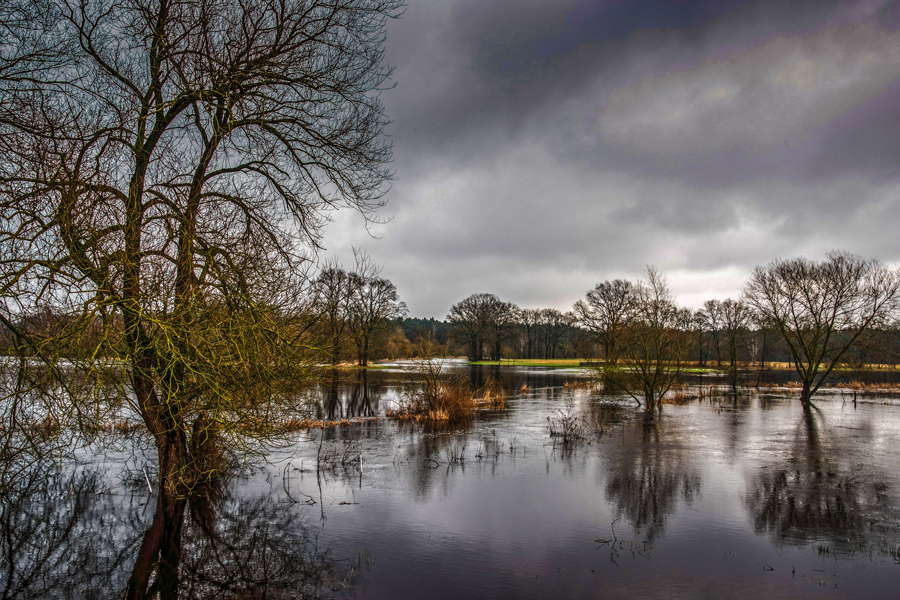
column 125, row 427
column 680, row 398
column 578, row 384
column 492, row 394
column 450, row 399
column 868, row 389
column 297, row 424
column 47, row 426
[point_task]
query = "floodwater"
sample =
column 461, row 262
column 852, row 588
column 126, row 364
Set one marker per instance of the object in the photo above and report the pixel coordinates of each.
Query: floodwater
column 721, row 497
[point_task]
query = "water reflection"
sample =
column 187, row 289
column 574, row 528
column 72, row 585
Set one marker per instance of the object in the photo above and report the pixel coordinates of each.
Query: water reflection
column 349, row 394
column 649, row 476
column 816, row 494
column 67, row 537
column 345, row 397
column 432, row 502
column 54, row 534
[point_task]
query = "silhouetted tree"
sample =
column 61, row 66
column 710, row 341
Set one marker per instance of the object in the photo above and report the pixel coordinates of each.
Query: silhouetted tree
column 821, row 309
column 737, row 319
column 482, row 319
column 502, row 318
column 373, row 304
column 711, row 318
column 654, row 344
column 333, row 290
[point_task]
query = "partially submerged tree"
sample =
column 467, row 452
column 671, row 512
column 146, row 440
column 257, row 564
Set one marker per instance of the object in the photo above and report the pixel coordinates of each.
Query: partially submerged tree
column 711, row 319
column 164, row 169
column 653, row 344
column 737, row 338
column 821, row 309
column 333, row 291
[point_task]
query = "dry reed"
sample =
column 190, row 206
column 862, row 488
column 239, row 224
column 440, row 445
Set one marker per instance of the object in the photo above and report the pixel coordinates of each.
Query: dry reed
column 298, row 424
column 445, row 399
column 492, row 395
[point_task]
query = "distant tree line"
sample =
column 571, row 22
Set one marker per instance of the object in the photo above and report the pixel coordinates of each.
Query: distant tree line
column 812, row 316
column 485, row 327
column 815, row 316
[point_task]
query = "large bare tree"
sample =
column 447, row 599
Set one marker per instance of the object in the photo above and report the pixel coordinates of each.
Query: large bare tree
column 333, row 290
column 653, row 343
column 483, row 319
column 471, row 323
column 711, row 319
column 166, row 168
column 821, row 309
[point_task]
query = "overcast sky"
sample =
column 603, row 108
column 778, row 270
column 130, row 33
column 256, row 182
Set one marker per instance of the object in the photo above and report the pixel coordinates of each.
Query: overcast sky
column 543, row 146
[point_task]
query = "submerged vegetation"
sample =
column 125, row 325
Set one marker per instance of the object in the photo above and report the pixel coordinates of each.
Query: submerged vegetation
column 439, row 396
column 567, row 425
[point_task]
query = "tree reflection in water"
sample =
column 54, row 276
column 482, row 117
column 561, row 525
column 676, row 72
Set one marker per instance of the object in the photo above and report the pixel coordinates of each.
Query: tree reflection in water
column 64, row 537
column 54, row 534
column 821, row 494
column 342, row 397
column 649, row 475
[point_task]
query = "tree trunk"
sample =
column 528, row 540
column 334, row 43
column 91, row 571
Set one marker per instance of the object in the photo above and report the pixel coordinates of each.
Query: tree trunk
column 806, row 396
column 171, row 446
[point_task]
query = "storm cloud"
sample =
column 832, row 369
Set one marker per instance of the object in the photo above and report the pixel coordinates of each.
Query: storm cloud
column 542, row 147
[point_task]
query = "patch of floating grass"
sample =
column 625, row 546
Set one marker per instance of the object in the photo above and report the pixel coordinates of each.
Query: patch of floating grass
column 300, row 424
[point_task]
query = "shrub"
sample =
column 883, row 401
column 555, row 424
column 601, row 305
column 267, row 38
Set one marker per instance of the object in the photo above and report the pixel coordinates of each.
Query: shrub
column 436, row 396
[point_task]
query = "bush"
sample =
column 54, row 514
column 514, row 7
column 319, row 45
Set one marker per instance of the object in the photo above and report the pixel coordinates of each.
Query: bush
column 436, row 396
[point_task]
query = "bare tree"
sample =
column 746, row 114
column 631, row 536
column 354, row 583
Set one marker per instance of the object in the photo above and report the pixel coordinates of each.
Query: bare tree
column 470, row 322
column 552, row 328
column 822, row 309
column 654, row 344
column 502, row 318
column 711, row 318
column 605, row 311
column 333, row 291
column 737, row 319
column 528, row 323
column 165, row 168
column 373, row 304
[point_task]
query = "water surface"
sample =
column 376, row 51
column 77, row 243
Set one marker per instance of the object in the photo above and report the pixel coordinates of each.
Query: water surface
column 738, row 497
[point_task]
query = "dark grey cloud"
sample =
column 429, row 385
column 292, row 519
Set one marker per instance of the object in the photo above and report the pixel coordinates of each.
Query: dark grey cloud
column 541, row 147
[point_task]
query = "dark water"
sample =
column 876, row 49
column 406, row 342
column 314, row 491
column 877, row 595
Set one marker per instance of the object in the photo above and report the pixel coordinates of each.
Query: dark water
column 719, row 498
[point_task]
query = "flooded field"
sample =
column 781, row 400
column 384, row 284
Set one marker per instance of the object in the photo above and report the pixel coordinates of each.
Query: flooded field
column 743, row 497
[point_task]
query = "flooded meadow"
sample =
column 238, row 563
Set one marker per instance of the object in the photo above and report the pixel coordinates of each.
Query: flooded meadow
column 742, row 496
